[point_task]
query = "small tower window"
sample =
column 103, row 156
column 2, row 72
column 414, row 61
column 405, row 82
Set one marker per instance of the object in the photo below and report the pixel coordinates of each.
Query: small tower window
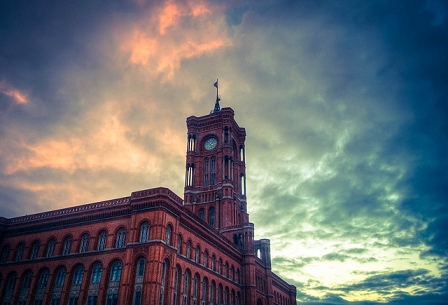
column 202, row 213
column 206, row 171
column 211, row 217
column 189, row 175
column 243, row 185
column 213, row 171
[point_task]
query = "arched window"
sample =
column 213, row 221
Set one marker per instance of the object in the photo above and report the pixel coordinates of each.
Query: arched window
column 58, row 284
column 197, row 254
column 84, row 246
column 19, row 254
column 102, row 237
column 115, row 274
column 168, row 235
column 213, row 171
column 188, row 250
column 220, row 296
column 212, row 293
column 35, row 249
column 195, row 288
column 10, row 286
column 243, row 185
column 120, row 239
column 41, row 285
column 77, row 276
column 60, row 277
column 226, row 295
column 202, row 214
column 213, row 262
column 95, row 279
column 179, row 244
column 232, row 297
column 242, row 154
column 113, row 285
column 76, row 285
column 50, row 247
column 186, row 292
column 205, row 259
column 67, row 245
column 238, row 275
column 204, row 291
column 97, row 271
column 232, row 273
column 5, row 254
column 144, row 232
column 206, row 171
column 220, row 266
column 26, row 283
column 138, row 282
column 164, row 285
column 177, row 278
column 227, row 270
column 189, row 175
column 238, row 298
column 211, row 217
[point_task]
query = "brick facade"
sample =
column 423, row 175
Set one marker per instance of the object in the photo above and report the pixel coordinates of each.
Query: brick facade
column 151, row 247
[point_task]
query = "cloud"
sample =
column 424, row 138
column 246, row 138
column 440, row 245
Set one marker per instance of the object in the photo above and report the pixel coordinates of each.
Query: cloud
column 12, row 92
column 180, row 35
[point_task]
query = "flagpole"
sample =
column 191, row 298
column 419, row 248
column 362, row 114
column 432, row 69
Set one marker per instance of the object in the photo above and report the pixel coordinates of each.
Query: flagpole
column 217, row 107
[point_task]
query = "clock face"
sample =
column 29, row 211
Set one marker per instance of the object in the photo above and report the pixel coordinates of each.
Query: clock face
column 210, row 143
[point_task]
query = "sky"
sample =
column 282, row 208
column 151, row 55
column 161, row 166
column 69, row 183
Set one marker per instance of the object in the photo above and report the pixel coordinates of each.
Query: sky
column 345, row 105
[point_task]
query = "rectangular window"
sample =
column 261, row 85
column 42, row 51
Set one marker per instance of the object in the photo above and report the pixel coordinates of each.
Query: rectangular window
column 73, row 301
column 112, row 299
column 92, row 300
column 138, row 298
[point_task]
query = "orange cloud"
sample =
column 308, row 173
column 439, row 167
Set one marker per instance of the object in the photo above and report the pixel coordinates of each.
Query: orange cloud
column 9, row 90
column 169, row 17
column 142, row 47
column 184, row 30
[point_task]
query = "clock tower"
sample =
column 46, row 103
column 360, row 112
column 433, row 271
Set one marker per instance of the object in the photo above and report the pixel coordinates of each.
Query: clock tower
column 215, row 179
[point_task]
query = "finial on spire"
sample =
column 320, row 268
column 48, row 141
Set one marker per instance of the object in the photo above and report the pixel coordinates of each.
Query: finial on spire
column 217, row 107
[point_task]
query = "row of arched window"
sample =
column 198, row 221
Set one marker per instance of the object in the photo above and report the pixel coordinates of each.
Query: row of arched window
column 207, row 261
column 53, row 285
column 194, row 290
column 187, row 289
column 66, row 248
column 84, row 245
column 280, row 299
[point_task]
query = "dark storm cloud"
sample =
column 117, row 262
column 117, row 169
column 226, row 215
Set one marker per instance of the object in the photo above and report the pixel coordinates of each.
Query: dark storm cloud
column 373, row 118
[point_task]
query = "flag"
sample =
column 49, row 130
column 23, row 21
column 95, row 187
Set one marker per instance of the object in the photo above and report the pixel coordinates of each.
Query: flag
column 216, row 84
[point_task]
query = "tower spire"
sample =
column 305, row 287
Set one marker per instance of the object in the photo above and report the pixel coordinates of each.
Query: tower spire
column 217, row 107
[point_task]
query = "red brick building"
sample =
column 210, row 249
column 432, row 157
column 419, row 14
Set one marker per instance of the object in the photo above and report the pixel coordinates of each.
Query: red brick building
column 151, row 247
